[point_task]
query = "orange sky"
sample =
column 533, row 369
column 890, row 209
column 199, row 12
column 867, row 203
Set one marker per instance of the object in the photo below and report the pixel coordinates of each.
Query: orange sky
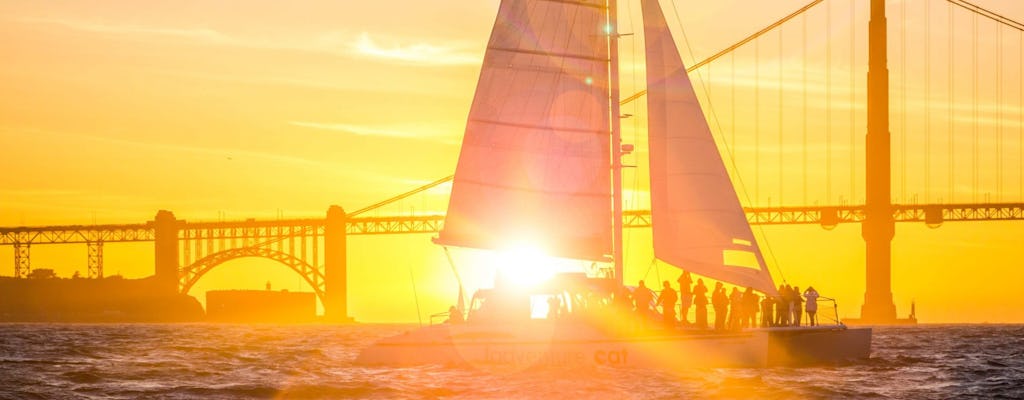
column 116, row 109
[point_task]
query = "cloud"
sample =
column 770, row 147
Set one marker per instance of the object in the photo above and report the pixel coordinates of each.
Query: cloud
column 440, row 134
column 197, row 34
column 362, row 45
column 354, row 129
column 416, row 53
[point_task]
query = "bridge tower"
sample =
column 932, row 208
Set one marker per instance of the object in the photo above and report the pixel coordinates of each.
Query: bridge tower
column 165, row 235
column 879, row 226
column 335, row 266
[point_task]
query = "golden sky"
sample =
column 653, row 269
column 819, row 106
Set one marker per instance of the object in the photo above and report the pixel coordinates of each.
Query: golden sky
column 113, row 110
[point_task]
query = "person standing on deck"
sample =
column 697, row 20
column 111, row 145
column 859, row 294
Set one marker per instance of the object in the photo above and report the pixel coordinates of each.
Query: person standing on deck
column 720, row 301
column 667, row 301
column 554, row 303
column 812, row 305
column 750, row 304
column 685, row 296
column 735, row 309
column 766, row 312
column 700, row 300
column 798, row 306
column 642, row 296
column 781, row 306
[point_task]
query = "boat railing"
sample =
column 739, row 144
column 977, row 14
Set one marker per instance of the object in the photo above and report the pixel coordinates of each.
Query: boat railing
column 444, row 317
column 826, row 314
column 438, row 318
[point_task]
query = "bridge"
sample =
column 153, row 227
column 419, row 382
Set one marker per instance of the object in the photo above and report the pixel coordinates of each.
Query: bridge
column 315, row 248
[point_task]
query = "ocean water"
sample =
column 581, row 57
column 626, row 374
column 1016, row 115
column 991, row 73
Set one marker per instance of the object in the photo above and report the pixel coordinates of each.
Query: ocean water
column 57, row 361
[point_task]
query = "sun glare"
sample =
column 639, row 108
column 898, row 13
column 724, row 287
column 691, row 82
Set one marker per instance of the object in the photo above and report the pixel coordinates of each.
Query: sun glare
column 525, row 265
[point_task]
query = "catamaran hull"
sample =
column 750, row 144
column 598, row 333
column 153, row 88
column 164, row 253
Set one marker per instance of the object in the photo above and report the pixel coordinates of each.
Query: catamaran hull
column 517, row 349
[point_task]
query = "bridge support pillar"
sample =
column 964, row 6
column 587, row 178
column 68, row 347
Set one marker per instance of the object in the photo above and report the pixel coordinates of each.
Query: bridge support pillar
column 879, row 226
column 336, row 266
column 22, row 262
column 166, row 251
column 95, row 260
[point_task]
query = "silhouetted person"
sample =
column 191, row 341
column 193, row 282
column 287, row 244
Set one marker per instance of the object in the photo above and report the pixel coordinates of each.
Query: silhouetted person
column 642, row 297
column 454, row 315
column 750, row 304
column 700, row 302
column 767, row 305
column 798, row 306
column 720, row 301
column 685, row 296
column 781, row 306
column 812, row 305
column 787, row 318
column 735, row 309
column 554, row 303
column 667, row 301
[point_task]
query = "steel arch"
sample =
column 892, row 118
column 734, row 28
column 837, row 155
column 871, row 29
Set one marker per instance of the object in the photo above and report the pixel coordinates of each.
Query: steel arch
column 191, row 274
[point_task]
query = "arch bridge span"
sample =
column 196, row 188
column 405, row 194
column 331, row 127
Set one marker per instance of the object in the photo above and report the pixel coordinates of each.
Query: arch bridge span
column 314, row 276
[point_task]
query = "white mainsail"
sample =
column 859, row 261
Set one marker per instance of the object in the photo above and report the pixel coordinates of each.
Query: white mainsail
column 698, row 222
column 534, row 167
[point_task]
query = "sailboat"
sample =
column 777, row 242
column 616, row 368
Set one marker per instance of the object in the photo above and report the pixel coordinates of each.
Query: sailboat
column 541, row 163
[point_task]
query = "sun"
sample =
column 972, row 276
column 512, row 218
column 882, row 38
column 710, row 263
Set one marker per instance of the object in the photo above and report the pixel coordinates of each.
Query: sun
column 525, row 265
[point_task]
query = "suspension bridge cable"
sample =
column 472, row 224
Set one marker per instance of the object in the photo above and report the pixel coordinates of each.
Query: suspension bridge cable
column 977, row 10
column 1020, row 117
column 853, row 100
column 974, row 130
column 828, row 103
column 804, row 42
column 999, row 113
column 732, row 108
column 950, row 120
column 903, row 101
column 730, row 49
column 401, row 196
column 757, row 122
column 781, row 120
column 928, row 102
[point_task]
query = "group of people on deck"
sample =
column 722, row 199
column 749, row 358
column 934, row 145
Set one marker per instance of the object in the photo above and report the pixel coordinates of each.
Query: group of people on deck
column 733, row 310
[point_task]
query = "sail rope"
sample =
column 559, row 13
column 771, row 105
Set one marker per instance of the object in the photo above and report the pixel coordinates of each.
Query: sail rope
column 451, row 262
column 721, row 139
column 415, row 296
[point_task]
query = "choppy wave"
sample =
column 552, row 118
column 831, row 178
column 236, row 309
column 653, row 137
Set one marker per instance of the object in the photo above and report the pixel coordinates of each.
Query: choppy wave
column 263, row 361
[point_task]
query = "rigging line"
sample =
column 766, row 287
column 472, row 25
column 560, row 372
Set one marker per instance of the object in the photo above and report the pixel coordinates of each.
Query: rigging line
column 416, row 296
column 654, row 261
column 739, row 44
column 455, row 271
column 739, row 178
column 988, row 14
column 635, row 196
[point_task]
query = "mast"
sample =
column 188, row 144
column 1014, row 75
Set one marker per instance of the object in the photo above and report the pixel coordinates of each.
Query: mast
column 616, row 147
